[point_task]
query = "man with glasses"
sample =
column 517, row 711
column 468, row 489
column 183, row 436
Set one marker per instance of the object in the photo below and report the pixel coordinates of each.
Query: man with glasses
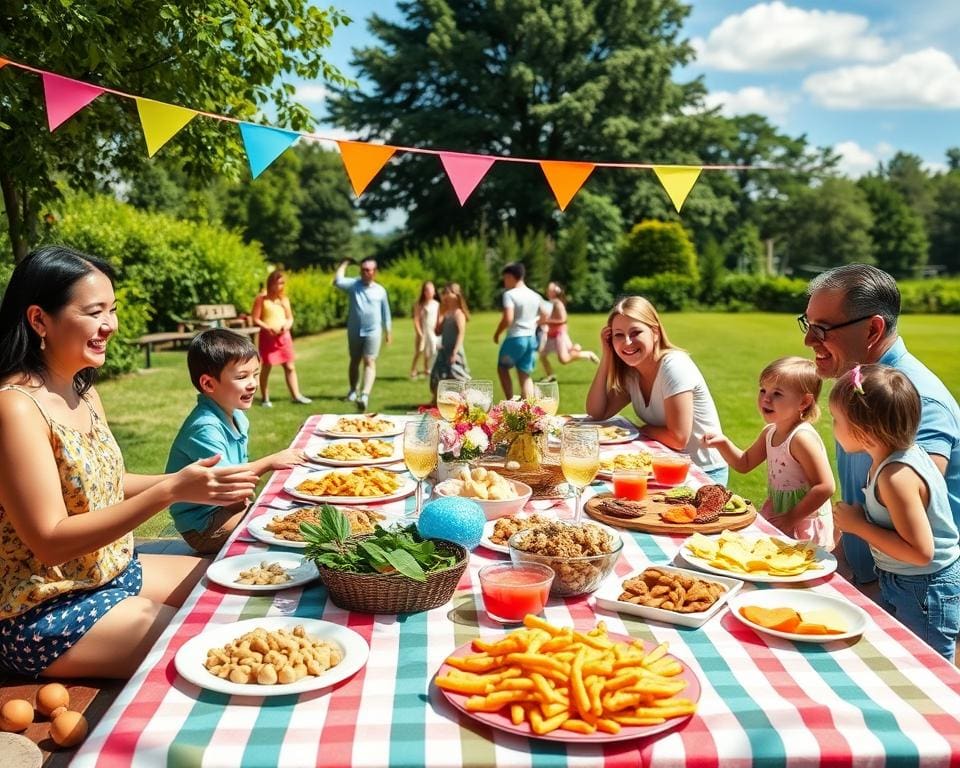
column 851, row 319
column 368, row 318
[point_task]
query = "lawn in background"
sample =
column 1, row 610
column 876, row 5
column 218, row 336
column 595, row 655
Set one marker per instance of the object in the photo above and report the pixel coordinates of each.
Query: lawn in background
column 146, row 409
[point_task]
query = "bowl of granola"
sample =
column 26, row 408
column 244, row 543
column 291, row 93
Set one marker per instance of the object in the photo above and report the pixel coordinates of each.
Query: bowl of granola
column 581, row 554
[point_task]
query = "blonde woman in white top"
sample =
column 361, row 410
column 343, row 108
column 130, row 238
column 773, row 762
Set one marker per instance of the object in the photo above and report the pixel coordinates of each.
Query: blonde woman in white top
column 425, row 342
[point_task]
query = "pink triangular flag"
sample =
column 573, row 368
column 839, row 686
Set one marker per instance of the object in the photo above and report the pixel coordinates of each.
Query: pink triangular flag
column 465, row 171
column 66, row 97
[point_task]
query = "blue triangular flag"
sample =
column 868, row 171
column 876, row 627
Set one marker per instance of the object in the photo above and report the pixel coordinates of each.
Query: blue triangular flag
column 264, row 145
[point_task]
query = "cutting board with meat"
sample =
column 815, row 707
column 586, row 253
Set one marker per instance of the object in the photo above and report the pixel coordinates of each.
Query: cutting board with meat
column 679, row 511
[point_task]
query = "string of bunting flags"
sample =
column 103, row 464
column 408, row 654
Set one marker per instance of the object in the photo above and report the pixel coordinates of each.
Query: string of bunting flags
column 65, row 97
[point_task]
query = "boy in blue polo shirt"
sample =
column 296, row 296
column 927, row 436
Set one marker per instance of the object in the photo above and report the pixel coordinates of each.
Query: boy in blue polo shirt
column 224, row 367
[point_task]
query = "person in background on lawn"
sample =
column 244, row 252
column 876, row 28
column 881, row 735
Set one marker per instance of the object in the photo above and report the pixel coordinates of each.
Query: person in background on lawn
column 424, row 328
column 273, row 315
column 451, row 327
column 522, row 313
column 223, row 367
column 799, row 477
column 905, row 517
column 76, row 600
column 851, row 318
column 639, row 365
column 368, row 319
column 557, row 339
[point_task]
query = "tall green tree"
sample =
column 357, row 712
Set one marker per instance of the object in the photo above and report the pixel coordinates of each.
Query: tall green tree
column 601, row 220
column 908, row 176
column 945, row 229
column 899, row 236
column 563, row 79
column 327, row 212
column 225, row 56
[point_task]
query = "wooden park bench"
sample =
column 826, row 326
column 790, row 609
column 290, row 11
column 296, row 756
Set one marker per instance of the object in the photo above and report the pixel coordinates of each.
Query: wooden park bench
column 205, row 316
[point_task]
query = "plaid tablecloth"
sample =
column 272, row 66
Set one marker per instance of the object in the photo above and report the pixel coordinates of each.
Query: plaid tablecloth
column 885, row 698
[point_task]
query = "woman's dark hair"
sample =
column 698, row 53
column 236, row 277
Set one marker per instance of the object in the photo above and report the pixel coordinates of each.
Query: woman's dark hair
column 45, row 277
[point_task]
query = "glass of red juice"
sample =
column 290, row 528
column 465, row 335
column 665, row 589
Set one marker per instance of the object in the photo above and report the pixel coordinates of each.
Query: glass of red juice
column 512, row 590
column 670, row 469
column 630, row 484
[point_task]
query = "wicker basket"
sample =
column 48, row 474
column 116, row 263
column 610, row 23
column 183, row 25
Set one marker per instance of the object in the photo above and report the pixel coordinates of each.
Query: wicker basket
column 393, row 592
column 545, row 480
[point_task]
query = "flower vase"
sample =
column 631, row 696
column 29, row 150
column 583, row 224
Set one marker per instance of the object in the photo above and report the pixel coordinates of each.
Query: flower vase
column 527, row 450
column 447, row 470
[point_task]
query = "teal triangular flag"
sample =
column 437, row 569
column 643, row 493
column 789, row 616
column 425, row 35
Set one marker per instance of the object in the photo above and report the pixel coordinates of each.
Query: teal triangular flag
column 264, row 145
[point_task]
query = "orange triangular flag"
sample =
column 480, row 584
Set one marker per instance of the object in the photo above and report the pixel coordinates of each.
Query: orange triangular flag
column 161, row 122
column 565, row 179
column 363, row 161
column 677, row 180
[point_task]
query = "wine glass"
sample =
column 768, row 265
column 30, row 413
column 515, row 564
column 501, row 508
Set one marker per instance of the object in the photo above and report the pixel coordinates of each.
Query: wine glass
column 579, row 460
column 449, row 397
column 479, row 392
column 546, row 394
column 421, row 442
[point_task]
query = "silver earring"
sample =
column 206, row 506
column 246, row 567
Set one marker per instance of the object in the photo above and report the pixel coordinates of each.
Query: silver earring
column 43, row 343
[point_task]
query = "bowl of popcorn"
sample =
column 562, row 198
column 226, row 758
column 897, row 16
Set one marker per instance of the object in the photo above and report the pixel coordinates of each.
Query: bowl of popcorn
column 582, row 555
column 496, row 495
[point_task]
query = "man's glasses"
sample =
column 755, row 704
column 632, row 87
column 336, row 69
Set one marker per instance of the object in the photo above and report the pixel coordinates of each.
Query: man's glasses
column 820, row 331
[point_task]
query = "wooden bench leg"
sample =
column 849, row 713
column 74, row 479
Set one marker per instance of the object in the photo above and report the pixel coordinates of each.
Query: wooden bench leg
column 148, row 346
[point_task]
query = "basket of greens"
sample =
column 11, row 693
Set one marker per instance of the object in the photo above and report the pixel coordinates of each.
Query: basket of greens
column 388, row 571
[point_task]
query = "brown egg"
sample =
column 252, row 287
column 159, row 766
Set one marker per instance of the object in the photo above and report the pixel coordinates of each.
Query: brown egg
column 51, row 696
column 16, row 715
column 69, row 729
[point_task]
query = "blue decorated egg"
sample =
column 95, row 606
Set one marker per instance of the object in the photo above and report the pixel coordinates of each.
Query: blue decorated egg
column 452, row 518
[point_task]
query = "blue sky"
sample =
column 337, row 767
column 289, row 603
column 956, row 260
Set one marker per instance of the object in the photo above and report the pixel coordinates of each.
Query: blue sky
column 867, row 77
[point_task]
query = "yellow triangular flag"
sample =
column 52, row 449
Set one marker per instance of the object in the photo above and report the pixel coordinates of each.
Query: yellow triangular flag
column 565, row 179
column 161, row 122
column 363, row 161
column 677, row 180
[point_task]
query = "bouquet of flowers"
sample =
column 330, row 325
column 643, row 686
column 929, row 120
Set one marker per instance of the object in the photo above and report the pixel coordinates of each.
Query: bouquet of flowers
column 467, row 437
column 523, row 426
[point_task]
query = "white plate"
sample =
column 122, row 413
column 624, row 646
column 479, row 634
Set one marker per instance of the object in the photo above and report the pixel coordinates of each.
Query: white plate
column 802, row 600
column 407, row 486
column 193, row 653
column 505, row 550
column 826, row 561
column 633, row 432
column 611, row 589
column 226, row 571
column 257, row 527
column 318, row 444
column 327, row 425
column 607, row 474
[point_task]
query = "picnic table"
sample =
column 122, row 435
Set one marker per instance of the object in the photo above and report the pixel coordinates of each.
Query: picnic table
column 884, row 698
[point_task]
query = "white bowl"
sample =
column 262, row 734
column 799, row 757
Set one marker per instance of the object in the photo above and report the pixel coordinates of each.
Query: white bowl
column 493, row 509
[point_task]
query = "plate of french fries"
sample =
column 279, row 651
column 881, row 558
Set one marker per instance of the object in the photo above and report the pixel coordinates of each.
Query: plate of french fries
column 548, row 682
column 360, row 452
column 364, row 425
column 262, row 571
column 360, row 485
column 759, row 558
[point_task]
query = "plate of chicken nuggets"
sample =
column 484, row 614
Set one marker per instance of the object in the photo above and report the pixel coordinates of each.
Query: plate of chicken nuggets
column 668, row 594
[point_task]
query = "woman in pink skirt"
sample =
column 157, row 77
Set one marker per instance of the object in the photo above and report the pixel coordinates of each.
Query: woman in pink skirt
column 273, row 315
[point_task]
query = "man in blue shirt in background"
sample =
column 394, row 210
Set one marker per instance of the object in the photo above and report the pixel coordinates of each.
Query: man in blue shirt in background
column 851, row 318
column 368, row 319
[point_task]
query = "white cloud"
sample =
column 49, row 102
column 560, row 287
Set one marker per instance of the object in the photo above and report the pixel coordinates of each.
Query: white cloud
column 312, row 94
column 927, row 79
column 856, row 161
column 773, row 36
column 771, row 103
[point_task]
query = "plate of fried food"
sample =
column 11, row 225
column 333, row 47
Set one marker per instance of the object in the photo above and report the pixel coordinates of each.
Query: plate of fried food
column 260, row 572
column 284, row 530
column 759, row 558
column 365, row 425
column 558, row 704
column 360, row 485
column 496, row 533
column 668, row 594
column 271, row 656
column 642, row 460
column 355, row 453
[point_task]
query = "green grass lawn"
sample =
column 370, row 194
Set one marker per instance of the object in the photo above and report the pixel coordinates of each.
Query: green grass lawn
column 146, row 409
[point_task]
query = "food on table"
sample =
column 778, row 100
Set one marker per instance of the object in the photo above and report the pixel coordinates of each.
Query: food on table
column 16, row 715
column 736, row 505
column 580, row 554
column 264, row 574
column 709, row 501
column 682, row 494
column 287, row 527
column 732, row 552
column 613, row 432
column 505, row 527
column 631, row 460
column 621, row 507
column 679, row 513
column 269, row 657
column 815, row 622
column 52, row 696
column 364, row 481
column 555, row 677
column 670, row 469
column 362, row 425
column 353, row 450
column 68, row 729
column 671, row 591
column 480, row 483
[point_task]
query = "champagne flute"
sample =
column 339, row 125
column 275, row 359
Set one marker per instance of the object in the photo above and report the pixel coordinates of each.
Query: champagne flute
column 449, row 398
column 579, row 460
column 421, row 442
column 479, row 393
column 547, row 396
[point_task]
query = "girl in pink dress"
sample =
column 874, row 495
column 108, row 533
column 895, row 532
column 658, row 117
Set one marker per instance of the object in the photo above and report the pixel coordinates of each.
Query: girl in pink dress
column 272, row 314
column 557, row 339
column 799, row 479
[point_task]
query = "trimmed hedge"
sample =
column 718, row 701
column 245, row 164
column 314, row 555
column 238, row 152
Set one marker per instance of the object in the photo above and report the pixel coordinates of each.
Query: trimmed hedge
column 667, row 292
